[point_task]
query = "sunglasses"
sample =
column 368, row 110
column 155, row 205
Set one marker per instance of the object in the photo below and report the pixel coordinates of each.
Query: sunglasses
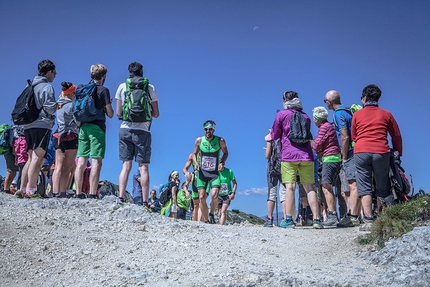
column 325, row 101
column 208, row 129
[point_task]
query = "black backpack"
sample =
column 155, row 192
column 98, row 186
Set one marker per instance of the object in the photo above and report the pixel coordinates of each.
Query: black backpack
column 275, row 159
column 137, row 101
column 300, row 131
column 26, row 110
column 165, row 193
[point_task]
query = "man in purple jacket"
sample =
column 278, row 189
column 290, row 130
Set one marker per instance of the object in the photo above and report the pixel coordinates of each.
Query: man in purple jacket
column 295, row 158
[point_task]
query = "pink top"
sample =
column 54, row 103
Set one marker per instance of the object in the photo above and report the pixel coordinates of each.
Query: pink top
column 20, row 148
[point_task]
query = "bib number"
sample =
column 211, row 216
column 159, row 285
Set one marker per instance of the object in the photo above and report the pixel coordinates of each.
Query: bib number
column 208, row 163
column 223, row 188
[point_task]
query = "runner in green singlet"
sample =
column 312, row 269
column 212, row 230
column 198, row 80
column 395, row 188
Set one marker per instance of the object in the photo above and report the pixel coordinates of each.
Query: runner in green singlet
column 190, row 177
column 226, row 193
column 207, row 151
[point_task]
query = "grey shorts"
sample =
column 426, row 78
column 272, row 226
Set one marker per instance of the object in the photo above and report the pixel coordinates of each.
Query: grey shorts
column 272, row 186
column 223, row 200
column 349, row 168
column 329, row 172
column 344, row 186
column 10, row 162
column 134, row 144
column 376, row 165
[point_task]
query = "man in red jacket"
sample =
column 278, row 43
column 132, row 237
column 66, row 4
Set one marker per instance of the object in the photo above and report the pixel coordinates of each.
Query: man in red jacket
column 370, row 126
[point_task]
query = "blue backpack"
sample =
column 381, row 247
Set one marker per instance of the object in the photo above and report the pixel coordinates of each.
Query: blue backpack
column 84, row 108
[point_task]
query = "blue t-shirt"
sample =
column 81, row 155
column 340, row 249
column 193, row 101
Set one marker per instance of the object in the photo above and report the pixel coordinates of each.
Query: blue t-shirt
column 342, row 119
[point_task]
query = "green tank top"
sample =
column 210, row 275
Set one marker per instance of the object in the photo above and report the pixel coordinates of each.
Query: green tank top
column 209, row 155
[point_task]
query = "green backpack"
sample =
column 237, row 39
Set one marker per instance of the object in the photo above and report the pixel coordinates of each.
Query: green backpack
column 137, row 102
column 183, row 201
column 6, row 139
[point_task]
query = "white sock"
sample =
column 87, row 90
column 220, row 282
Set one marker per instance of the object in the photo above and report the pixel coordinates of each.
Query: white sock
column 32, row 190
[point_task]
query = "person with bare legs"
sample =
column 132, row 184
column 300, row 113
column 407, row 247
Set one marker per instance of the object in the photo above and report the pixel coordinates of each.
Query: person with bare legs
column 66, row 146
column 134, row 132
column 38, row 133
column 207, row 149
column 296, row 156
column 342, row 120
column 92, row 135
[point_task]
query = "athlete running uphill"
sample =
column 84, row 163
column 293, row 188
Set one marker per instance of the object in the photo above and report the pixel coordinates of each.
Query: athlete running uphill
column 207, row 150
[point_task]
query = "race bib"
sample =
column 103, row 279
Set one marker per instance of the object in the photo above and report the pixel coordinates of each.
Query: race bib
column 223, row 188
column 208, row 163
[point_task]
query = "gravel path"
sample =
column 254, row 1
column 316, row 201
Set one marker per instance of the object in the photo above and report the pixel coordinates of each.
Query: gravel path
column 72, row 242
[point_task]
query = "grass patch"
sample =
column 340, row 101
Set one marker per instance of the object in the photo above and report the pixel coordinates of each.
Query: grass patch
column 398, row 220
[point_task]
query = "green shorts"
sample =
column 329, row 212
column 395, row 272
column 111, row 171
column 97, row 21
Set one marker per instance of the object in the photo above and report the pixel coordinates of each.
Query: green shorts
column 207, row 183
column 290, row 169
column 92, row 141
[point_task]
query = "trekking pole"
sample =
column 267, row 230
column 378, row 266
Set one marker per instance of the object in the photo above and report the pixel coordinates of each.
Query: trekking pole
column 276, row 206
column 412, row 183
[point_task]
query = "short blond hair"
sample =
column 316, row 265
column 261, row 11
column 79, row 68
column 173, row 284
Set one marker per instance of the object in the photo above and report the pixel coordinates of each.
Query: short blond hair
column 97, row 71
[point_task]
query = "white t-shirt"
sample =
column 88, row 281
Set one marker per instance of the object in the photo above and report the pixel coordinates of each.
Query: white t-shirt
column 120, row 95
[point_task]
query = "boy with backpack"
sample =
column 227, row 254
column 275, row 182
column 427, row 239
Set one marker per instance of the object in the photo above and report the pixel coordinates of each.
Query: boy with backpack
column 37, row 129
column 92, row 133
column 136, row 105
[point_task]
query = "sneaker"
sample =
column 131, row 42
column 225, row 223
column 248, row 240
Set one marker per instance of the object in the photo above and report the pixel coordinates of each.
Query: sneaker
column 121, row 199
column 147, row 208
column 331, row 220
column 268, row 222
column 19, row 194
column 317, row 224
column 80, row 196
column 287, row 224
column 34, row 195
column 211, row 218
column 348, row 221
column 356, row 221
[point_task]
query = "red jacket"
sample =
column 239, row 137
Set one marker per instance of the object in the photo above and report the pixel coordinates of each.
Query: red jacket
column 370, row 127
column 326, row 142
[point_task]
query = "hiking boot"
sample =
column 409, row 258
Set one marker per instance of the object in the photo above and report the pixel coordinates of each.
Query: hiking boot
column 34, row 195
column 268, row 222
column 211, row 218
column 19, row 194
column 317, row 224
column 331, row 220
column 287, row 224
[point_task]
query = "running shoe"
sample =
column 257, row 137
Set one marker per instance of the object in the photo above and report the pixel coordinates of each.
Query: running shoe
column 317, row 224
column 268, row 222
column 287, row 224
column 348, row 221
column 331, row 220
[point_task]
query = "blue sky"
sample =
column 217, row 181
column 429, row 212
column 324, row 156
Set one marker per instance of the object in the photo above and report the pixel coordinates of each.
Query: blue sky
column 229, row 61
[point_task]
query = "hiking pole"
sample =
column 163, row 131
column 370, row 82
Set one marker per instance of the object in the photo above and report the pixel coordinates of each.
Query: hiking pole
column 276, row 205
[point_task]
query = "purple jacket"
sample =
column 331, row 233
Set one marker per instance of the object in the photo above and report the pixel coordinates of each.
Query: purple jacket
column 326, row 142
column 281, row 130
